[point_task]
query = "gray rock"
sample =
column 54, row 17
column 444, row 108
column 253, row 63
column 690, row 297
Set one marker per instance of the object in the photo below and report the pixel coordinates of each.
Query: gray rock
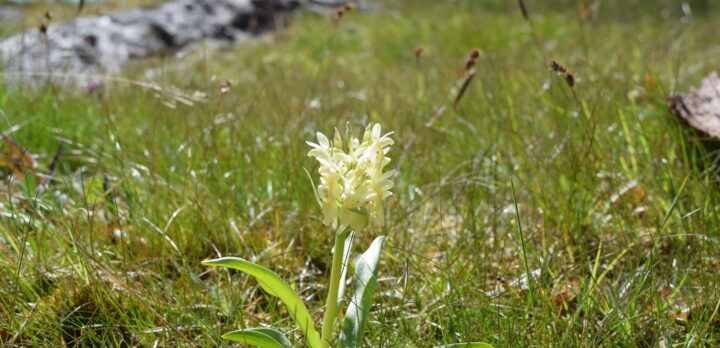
column 8, row 12
column 700, row 108
column 85, row 46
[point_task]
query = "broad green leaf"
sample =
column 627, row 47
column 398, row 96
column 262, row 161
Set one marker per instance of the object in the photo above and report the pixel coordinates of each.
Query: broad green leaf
column 254, row 337
column 274, row 285
column 467, row 345
column 366, row 269
column 275, row 334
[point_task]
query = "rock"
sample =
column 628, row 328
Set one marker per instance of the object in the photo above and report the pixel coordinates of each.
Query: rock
column 85, row 46
column 700, row 108
column 8, row 12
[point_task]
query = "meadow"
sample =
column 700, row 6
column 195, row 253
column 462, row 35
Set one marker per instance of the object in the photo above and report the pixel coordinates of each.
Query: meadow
column 593, row 188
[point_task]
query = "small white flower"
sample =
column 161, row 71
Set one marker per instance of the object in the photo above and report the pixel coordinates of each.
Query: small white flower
column 352, row 183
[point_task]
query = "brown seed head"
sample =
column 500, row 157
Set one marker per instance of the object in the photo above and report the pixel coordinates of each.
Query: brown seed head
column 556, row 67
column 569, row 79
column 561, row 70
column 419, row 50
column 470, row 62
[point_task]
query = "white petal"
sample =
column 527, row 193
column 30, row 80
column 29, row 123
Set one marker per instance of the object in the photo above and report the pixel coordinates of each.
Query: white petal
column 376, row 131
column 323, row 140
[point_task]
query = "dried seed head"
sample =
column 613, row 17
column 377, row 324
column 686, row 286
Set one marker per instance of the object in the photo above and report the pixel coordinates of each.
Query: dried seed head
column 556, row 67
column 561, row 70
column 569, row 79
column 419, row 50
column 470, row 62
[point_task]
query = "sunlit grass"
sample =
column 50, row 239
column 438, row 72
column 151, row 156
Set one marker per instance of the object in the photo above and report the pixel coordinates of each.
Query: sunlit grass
column 617, row 203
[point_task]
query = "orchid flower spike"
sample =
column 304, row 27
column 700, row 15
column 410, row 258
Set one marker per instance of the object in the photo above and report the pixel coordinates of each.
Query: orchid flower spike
column 352, row 182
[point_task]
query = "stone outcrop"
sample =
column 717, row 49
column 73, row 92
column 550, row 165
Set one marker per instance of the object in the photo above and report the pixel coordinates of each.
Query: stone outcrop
column 103, row 44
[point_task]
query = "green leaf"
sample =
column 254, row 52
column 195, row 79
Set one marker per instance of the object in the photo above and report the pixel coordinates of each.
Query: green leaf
column 274, row 285
column 276, row 334
column 366, row 269
column 346, row 256
column 467, row 345
column 255, row 337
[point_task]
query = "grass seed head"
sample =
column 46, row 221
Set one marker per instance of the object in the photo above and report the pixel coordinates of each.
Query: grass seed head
column 43, row 30
column 470, row 62
column 556, row 67
column 419, row 51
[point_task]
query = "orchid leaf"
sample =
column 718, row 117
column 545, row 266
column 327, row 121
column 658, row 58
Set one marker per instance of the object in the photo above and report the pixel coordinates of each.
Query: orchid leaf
column 365, row 279
column 274, row 285
column 265, row 338
column 467, row 345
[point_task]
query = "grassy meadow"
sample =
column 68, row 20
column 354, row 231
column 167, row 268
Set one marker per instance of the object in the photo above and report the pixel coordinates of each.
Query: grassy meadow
column 597, row 191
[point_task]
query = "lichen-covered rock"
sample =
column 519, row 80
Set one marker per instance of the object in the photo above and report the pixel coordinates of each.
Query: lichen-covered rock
column 103, row 44
column 700, row 108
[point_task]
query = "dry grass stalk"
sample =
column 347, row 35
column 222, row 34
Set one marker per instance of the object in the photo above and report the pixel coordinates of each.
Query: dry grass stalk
column 523, row 9
column 464, row 87
column 53, row 165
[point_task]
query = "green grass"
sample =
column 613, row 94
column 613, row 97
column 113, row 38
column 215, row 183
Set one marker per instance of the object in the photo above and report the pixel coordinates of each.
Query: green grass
column 615, row 210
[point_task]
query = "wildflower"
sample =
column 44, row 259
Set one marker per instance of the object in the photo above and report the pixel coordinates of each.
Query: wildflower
column 352, row 182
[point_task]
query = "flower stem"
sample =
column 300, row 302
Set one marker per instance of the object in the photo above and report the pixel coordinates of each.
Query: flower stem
column 331, row 305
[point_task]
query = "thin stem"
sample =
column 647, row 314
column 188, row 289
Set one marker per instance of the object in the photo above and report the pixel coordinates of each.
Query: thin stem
column 522, row 244
column 331, row 305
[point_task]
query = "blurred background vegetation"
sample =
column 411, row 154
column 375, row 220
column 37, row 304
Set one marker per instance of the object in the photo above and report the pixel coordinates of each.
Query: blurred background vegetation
column 187, row 157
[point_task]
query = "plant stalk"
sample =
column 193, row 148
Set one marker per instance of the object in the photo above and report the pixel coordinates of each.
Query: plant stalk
column 331, row 305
